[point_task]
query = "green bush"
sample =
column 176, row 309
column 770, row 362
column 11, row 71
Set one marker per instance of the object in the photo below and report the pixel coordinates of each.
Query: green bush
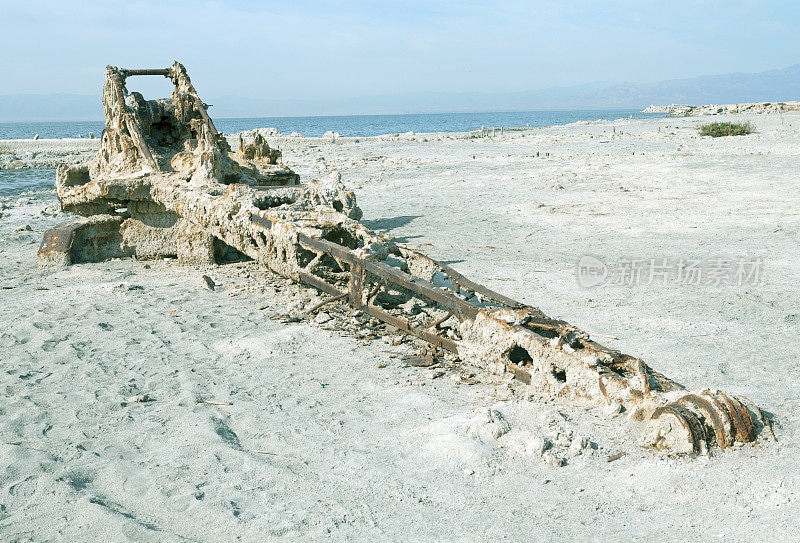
column 716, row 130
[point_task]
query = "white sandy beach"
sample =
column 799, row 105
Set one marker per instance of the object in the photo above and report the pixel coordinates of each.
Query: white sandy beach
column 365, row 448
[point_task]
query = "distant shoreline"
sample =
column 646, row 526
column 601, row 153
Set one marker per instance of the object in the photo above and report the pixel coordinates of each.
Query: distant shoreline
column 759, row 108
column 349, row 125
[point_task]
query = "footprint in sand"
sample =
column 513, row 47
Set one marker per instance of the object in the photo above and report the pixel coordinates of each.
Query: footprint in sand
column 224, row 431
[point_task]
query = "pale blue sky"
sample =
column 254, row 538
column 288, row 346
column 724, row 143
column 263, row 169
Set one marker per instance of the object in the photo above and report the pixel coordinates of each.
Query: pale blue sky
column 326, row 49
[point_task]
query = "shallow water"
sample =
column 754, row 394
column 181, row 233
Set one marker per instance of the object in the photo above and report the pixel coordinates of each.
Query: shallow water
column 17, row 182
column 348, row 125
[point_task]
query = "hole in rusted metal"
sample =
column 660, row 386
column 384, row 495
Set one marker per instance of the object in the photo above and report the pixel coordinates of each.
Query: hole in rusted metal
column 304, row 256
column 225, row 254
column 519, row 356
column 342, row 237
column 76, row 177
column 331, row 263
column 268, row 201
column 165, row 131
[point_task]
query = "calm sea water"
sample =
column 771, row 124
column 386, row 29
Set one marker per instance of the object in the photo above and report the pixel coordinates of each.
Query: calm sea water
column 348, row 125
column 17, row 182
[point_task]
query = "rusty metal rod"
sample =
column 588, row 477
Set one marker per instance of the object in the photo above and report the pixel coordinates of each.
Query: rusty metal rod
column 319, row 284
column 462, row 281
column 138, row 138
column 374, row 291
column 435, row 324
column 324, row 302
column 201, row 109
column 404, row 325
column 166, row 72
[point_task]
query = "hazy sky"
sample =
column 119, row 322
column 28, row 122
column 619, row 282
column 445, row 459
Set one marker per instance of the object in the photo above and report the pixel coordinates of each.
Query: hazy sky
column 318, row 50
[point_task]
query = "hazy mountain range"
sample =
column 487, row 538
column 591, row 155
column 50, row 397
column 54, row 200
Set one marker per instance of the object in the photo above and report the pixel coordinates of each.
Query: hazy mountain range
column 773, row 85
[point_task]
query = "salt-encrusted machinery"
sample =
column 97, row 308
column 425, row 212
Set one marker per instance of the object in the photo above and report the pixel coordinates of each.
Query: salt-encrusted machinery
column 165, row 182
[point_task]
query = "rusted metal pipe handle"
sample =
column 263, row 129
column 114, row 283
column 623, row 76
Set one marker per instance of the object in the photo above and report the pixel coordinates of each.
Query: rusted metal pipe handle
column 166, row 72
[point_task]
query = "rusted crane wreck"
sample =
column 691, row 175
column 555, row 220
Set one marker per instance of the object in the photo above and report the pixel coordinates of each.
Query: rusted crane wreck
column 165, row 182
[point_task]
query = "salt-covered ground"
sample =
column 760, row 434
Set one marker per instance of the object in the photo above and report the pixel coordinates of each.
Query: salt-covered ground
column 369, row 449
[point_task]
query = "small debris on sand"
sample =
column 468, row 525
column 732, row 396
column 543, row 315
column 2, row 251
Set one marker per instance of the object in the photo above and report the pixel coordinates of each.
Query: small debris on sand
column 263, row 452
column 141, row 398
column 214, row 402
column 616, row 456
column 207, row 283
column 322, row 318
column 420, row 361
